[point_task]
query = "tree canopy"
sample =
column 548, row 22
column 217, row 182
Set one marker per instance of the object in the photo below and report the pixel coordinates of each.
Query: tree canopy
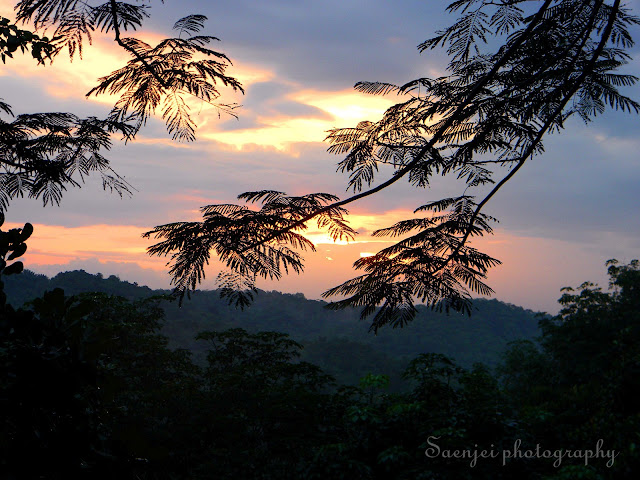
column 518, row 71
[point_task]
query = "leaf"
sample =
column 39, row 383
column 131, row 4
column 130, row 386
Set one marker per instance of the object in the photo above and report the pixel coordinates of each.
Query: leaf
column 27, row 230
column 18, row 251
column 190, row 24
column 376, row 88
column 14, row 268
column 129, row 16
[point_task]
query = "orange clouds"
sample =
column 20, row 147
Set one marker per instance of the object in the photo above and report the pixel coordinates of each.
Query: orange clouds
column 347, row 107
column 53, row 244
column 526, row 260
column 365, row 223
column 66, row 79
column 279, row 134
column 319, row 110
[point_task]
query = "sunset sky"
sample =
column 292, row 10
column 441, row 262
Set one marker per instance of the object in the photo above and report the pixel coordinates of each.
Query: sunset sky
column 563, row 215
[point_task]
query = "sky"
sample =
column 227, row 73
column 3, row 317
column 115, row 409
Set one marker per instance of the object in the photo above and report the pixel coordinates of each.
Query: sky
column 561, row 217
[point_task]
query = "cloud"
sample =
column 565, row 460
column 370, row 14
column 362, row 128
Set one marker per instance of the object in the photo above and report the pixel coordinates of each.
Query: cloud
column 584, row 184
column 272, row 99
column 561, row 216
column 330, row 43
column 68, row 80
column 282, row 116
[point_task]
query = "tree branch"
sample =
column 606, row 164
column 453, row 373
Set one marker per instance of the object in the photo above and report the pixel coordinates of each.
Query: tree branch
column 423, row 152
column 576, row 85
column 116, row 29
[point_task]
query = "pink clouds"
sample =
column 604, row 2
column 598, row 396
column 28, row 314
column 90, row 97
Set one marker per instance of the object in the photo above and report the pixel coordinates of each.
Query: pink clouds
column 292, row 99
column 119, row 249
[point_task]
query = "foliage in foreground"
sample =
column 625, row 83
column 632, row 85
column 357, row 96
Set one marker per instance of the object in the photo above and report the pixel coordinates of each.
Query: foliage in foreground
column 518, row 71
column 44, row 153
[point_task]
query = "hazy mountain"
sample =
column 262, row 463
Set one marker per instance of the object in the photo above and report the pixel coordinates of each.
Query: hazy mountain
column 336, row 340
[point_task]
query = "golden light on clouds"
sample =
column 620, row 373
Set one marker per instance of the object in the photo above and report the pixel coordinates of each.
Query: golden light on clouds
column 248, row 74
column 66, row 79
column 344, row 108
column 364, row 223
column 368, row 222
column 277, row 133
column 322, row 238
column 347, row 107
column 69, row 79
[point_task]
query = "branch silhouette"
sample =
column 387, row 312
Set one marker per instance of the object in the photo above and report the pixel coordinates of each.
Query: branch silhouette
column 558, row 62
column 43, row 154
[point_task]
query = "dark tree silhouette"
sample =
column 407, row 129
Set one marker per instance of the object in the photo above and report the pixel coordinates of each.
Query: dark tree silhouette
column 481, row 122
column 42, row 154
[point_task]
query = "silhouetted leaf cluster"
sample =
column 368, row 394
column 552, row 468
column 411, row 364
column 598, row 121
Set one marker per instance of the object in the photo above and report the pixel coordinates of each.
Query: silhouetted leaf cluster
column 413, row 268
column 165, row 76
column 42, row 154
column 251, row 243
column 479, row 123
column 13, row 38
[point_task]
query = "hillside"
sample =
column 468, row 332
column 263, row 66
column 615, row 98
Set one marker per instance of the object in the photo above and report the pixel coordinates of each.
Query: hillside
column 334, row 340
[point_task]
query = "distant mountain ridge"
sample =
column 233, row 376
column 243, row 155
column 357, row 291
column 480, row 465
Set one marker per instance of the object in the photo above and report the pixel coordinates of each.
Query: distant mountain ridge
column 335, row 340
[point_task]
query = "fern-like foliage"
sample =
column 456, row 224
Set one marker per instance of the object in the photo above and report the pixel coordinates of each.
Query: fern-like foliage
column 158, row 78
column 72, row 22
column 239, row 290
column 251, row 243
column 44, row 153
column 415, row 267
column 516, row 73
column 166, row 75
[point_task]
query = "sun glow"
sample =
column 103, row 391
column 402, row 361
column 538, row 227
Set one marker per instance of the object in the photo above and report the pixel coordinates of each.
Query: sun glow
column 322, row 238
column 343, row 108
column 347, row 106
column 278, row 134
